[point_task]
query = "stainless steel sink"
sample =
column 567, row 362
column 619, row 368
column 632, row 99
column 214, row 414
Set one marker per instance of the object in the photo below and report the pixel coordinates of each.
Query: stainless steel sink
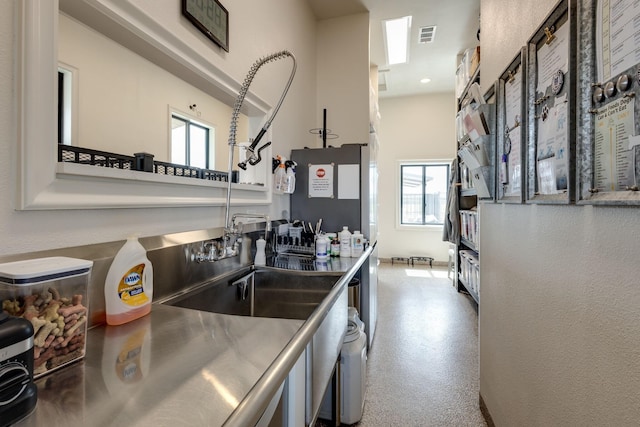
column 287, row 294
column 262, row 293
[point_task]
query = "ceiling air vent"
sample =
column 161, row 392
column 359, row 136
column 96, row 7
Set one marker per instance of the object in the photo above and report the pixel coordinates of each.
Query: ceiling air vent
column 427, row 34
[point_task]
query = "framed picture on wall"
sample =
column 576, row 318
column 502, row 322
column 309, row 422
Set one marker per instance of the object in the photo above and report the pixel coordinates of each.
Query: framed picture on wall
column 608, row 117
column 511, row 131
column 551, row 89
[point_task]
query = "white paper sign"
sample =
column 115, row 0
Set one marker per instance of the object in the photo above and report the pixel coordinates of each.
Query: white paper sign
column 613, row 146
column 513, row 111
column 553, row 136
column 348, row 181
column 617, row 33
column 321, row 181
column 552, row 58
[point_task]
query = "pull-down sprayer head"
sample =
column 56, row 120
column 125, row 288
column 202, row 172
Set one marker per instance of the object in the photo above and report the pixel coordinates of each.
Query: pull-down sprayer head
column 253, row 155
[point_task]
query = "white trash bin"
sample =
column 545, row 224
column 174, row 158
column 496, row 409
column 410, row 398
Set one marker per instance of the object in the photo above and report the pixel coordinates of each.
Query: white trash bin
column 353, row 373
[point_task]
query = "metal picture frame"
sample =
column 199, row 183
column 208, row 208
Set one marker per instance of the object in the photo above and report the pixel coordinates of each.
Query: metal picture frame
column 511, row 134
column 551, row 106
column 609, row 111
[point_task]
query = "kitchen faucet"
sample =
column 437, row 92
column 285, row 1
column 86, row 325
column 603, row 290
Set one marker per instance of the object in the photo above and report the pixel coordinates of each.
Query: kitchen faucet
column 232, row 233
column 238, row 230
column 229, row 245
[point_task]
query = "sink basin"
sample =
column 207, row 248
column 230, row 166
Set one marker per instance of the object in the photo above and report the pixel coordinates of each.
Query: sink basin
column 262, row 293
column 286, row 294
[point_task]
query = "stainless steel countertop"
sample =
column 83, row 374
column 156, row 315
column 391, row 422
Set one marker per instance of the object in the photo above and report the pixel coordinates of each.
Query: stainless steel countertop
column 181, row 367
column 173, row 367
column 247, row 412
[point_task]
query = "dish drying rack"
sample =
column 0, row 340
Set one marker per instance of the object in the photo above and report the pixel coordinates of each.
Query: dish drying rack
column 294, row 241
column 300, row 263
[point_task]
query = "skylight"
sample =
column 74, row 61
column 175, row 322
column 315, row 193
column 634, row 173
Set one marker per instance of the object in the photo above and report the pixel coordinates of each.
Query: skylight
column 396, row 33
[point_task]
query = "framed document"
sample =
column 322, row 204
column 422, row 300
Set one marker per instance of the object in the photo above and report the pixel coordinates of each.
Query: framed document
column 511, row 131
column 608, row 119
column 551, row 108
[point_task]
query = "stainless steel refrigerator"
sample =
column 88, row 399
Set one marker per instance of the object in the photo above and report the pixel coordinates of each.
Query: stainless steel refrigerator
column 339, row 185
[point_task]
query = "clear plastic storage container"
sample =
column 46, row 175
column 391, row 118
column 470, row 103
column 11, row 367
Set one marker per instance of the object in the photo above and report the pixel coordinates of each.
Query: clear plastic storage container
column 52, row 294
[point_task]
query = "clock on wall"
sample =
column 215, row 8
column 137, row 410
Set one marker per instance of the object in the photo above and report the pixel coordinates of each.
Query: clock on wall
column 210, row 17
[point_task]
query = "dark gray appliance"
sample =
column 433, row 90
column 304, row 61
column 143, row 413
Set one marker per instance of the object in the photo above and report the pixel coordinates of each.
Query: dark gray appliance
column 359, row 213
column 18, row 393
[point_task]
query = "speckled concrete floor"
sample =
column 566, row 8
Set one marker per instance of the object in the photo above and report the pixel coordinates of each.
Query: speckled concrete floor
column 422, row 368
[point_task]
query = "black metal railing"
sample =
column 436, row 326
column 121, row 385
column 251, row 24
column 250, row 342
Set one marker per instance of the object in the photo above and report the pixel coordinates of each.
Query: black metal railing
column 138, row 162
column 86, row 156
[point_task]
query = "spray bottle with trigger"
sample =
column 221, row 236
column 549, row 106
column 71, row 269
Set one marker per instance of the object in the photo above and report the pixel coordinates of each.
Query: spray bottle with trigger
column 280, row 178
column 290, row 167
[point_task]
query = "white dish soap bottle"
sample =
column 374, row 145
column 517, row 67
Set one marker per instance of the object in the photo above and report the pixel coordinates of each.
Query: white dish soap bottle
column 128, row 289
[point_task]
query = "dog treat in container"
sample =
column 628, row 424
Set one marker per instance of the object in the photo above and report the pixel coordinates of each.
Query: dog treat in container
column 52, row 294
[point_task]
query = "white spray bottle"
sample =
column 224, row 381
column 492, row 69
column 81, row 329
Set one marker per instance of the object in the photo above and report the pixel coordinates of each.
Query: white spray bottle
column 291, row 177
column 280, row 178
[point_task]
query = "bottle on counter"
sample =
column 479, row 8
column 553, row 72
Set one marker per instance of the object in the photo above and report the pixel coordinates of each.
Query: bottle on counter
column 322, row 247
column 357, row 244
column 128, row 289
column 331, row 237
column 261, row 257
column 335, row 247
column 345, row 242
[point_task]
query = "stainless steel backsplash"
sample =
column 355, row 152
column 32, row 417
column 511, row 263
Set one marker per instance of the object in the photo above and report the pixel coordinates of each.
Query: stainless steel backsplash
column 172, row 257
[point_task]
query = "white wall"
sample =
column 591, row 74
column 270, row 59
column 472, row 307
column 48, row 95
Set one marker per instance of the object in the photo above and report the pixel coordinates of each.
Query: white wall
column 412, row 128
column 271, row 26
column 559, row 328
column 343, row 78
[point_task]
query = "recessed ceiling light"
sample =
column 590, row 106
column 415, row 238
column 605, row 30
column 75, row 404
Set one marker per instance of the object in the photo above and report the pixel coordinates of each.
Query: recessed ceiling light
column 425, row 80
column 396, row 33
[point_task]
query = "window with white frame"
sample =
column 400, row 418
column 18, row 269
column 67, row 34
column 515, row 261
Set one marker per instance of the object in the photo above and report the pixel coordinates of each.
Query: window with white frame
column 423, row 193
column 191, row 143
